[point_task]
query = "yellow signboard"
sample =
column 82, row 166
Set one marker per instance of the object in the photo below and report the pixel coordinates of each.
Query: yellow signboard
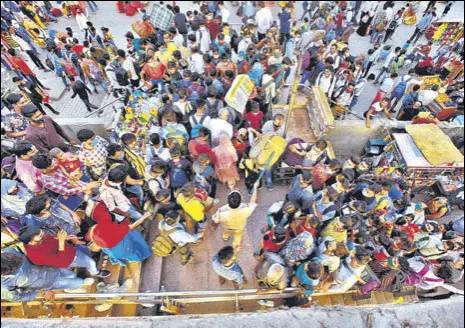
column 239, row 93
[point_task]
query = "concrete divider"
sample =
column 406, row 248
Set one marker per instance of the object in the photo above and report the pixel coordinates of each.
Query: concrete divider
column 445, row 313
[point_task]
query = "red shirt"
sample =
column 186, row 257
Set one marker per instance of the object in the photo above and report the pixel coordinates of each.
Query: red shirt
column 77, row 49
column 47, row 253
column 270, row 245
column 320, row 175
column 107, row 233
column 303, row 227
column 154, row 72
column 255, row 119
column 21, row 65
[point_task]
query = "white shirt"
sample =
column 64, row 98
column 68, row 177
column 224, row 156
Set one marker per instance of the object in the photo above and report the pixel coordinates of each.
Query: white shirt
column 389, row 59
column 206, row 122
column 220, row 127
column 204, row 41
column 128, row 65
column 427, row 97
column 324, row 82
column 244, row 45
column 196, row 64
column 178, row 40
column 264, row 20
column 23, row 44
column 387, row 85
column 114, row 198
column 225, row 15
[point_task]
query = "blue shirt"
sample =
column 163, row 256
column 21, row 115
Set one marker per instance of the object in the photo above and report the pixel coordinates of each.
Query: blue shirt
column 425, row 21
column 232, row 273
column 285, row 22
column 304, row 281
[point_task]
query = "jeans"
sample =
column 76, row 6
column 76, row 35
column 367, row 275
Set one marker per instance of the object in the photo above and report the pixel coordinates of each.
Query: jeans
column 100, row 81
column 65, row 81
column 35, row 59
column 67, row 280
column 88, row 104
column 381, row 74
column 354, row 102
column 83, row 260
column 159, row 83
column 269, row 179
column 305, row 77
column 92, row 5
column 134, row 214
column 137, row 190
column 416, row 35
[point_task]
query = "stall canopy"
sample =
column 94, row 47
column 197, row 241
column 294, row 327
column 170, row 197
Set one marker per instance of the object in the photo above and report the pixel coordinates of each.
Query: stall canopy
column 435, row 145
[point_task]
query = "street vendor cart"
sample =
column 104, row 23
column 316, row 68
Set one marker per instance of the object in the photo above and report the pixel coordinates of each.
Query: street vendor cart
column 442, row 107
column 426, row 154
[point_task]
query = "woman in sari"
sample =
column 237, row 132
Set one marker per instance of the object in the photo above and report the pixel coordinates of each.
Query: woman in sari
column 410, row 16
column 120, row 241
column 226, row 168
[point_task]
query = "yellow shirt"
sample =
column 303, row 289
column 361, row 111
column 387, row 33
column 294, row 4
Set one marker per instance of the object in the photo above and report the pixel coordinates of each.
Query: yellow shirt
column 164, row 57
column 172, row 47
column 193, row 207
column 330, row 231
column 234, row 219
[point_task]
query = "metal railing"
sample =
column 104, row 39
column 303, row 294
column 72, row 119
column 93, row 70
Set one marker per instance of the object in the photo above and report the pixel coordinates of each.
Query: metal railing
column 159, row 298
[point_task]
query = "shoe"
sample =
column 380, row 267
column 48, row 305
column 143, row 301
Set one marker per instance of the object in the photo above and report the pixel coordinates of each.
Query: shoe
column 88, row 282
column 103, row 274
column 76, row 291
column 107, row 288
column 189, row 260
column 270, row 189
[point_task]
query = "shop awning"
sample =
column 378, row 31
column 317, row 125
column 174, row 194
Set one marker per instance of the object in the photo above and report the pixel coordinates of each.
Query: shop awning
column 435, row 145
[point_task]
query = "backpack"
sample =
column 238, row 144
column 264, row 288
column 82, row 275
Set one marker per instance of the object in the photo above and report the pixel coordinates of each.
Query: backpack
column 330, row 35
column 69, row 67
column 163, row 245
column 94, row 70
column 212, row 108
column 174, row 135
column 120, row 74
column 194, row 93
column 199, row 182
column 401, row 87
column 198, row 125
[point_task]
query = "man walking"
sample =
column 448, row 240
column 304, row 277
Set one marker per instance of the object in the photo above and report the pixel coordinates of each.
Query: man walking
column 234, row 216
column 81, row 90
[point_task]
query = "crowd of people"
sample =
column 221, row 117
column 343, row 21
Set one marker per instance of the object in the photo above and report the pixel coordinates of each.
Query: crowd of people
column 67, row 201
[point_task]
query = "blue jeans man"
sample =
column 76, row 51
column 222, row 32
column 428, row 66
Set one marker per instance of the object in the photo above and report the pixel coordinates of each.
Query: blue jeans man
column 92, row 5
column 84, row 260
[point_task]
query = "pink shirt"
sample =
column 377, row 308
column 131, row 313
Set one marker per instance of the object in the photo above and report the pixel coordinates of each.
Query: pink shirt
column 29, row 175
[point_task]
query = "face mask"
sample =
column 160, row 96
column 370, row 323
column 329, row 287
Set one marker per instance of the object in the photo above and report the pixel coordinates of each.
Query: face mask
column 94, row 143
column 121, row 157
column 164, row 50
column 346, row 166
column 276, row 55
column 39, row 120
